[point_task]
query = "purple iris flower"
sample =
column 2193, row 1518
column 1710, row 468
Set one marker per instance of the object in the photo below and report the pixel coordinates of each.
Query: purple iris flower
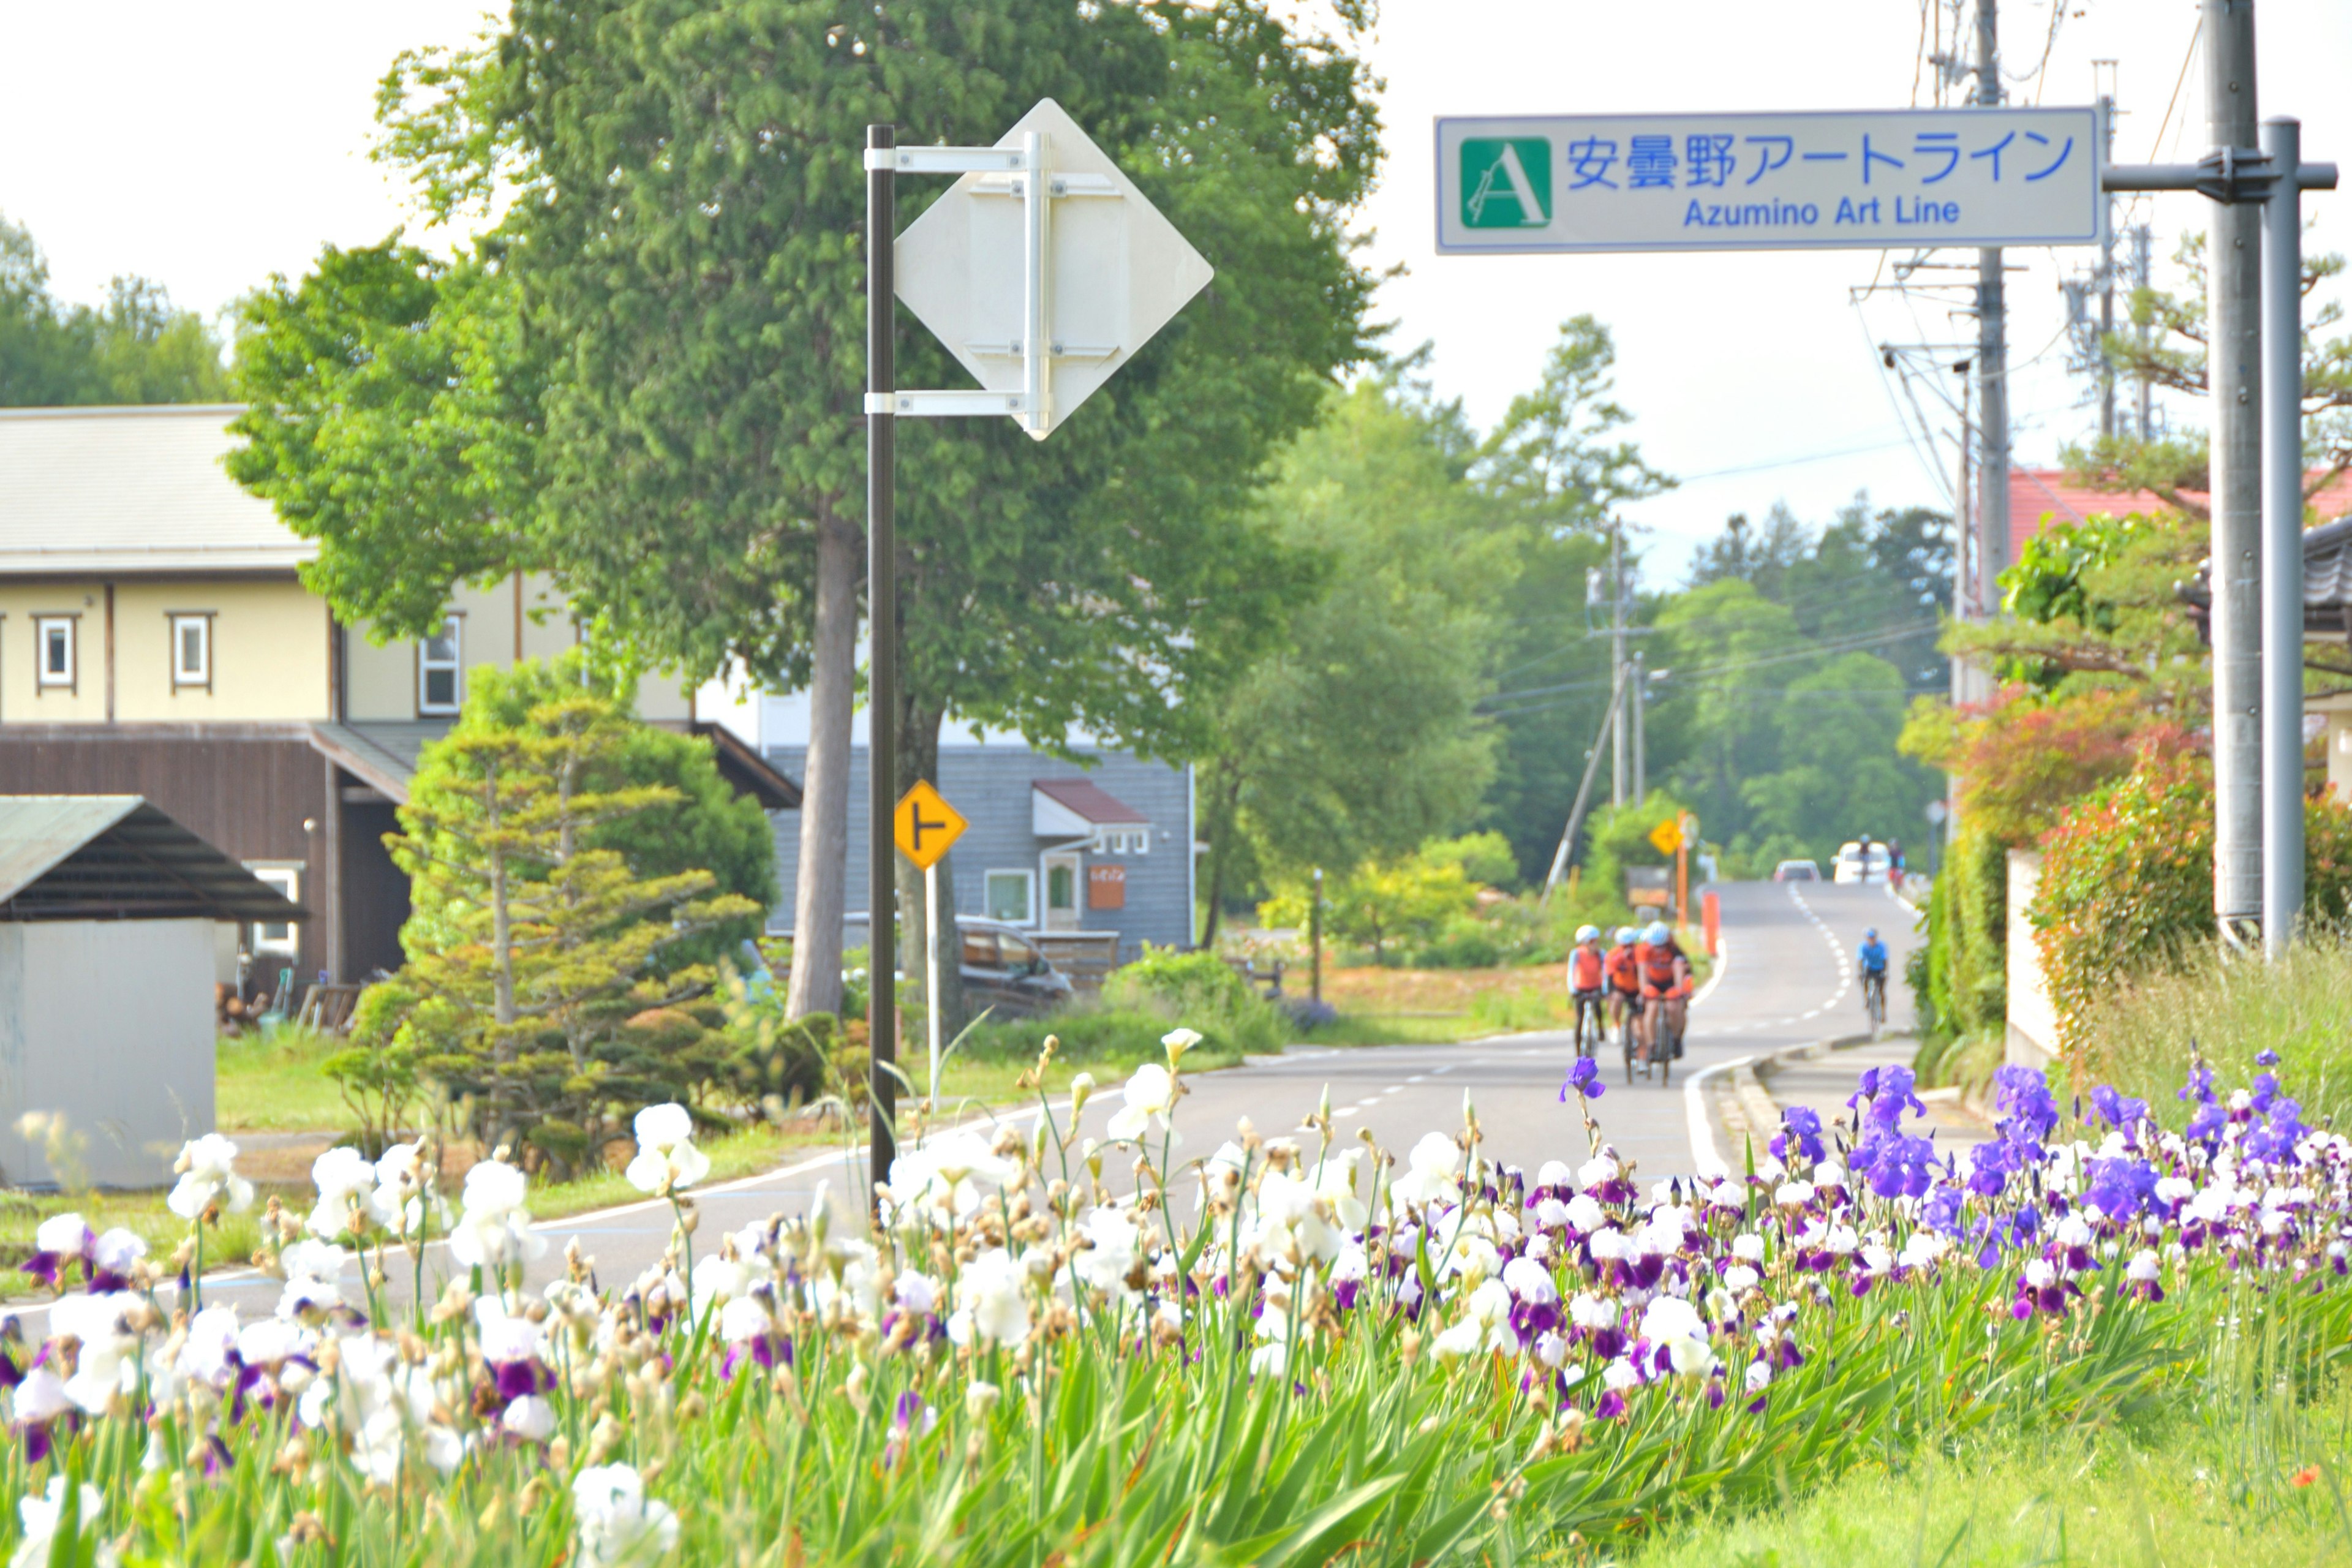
column 1611, row 1406
column 2028, row 1111
column 1800, row 1126
column 2266, row 1057
column 2121, row 1188
column 2206, row 1125
column 2200, row 1086
column 2274, row 1143
column 1897, row 1165
column 2118, row 1111
column 1584, row 1081
column 1941, row 1212
column 1885, row 1094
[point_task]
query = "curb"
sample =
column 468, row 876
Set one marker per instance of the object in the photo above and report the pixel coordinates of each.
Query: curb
column 1749, row 1113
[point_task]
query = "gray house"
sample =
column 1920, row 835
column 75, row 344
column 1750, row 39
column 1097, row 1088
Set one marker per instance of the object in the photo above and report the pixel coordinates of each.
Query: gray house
column 1054, row 848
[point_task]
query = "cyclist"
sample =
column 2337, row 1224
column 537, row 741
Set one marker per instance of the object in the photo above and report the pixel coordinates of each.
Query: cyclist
column 1588, row 986
column 1666, row 980
column 1871, row 959
column 1623, row 969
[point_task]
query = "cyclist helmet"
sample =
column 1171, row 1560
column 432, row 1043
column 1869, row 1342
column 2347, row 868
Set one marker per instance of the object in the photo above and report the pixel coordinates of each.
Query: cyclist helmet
column 1625, row 934
column 1657, row 934
column 1588, row 933
column 1869, row 933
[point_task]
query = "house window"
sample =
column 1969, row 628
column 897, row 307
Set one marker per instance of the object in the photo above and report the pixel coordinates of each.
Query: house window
column 1142, row 843
column 53, row 643
column 1012, row 896
column 440, row 669
column 277, row 937
column 192, row 650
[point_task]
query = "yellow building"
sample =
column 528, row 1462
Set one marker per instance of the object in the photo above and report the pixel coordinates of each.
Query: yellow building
column 156, row 639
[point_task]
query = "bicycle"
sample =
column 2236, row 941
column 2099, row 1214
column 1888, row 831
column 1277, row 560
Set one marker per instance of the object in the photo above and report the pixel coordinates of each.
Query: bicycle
column 1628, row 1029
column 1660, row 1051
column 1873, row 1000
column 1591, row 1009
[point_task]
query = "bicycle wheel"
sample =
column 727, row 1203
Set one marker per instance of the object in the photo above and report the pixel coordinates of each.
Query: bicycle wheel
column 1625, row 1039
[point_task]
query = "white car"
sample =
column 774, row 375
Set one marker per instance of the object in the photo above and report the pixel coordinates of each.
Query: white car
column 1852, row 866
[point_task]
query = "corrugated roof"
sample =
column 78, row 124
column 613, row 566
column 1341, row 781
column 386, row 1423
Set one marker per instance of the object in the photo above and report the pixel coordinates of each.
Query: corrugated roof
column 1089, row 800
column 132, row 490
column 114, row 857
column 2327, row 582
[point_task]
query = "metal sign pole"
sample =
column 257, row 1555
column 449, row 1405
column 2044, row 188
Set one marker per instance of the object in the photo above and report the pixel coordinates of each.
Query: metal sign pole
column 882, row 638
column 932, row 980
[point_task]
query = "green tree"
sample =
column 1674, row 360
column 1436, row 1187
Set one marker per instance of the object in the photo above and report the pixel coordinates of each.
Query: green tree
column 1840, row 773
column 137, row 348
column 531, row 945
column 685, row 246
column 1361, row 736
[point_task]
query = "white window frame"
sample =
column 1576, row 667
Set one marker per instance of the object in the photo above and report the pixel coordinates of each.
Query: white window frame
column 1028, row 880
column 201, row 622
column 453, row 626
column 44, row 678
column 1142, row 841
column 286, row 879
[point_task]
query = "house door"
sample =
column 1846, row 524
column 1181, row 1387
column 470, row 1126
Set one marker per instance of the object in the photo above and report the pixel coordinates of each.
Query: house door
column 1062, row 879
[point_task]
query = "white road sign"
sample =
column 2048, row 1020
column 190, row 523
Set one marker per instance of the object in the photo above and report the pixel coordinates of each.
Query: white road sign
column 1086, row 269
column 1867, row 180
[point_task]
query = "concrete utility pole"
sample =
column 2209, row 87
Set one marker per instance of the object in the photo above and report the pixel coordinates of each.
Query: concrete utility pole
column 2107, row 285
column 1992, row 359
column 1638, row 694
column 2281, row 643
column 2141, row 238
column 2234, row 309
column 1617, row 757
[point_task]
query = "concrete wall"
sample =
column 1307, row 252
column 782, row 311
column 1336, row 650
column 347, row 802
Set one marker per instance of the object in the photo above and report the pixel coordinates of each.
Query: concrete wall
column 111, row 1024
column 2033, row 1021
column 269, row 652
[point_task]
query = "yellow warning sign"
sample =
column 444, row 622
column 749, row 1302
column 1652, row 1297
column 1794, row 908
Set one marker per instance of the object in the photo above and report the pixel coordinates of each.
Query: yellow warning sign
column 1667, row 836
column 925, row 825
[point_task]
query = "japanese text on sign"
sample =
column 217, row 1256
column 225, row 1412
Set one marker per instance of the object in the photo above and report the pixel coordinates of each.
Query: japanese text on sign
column 1729, row 182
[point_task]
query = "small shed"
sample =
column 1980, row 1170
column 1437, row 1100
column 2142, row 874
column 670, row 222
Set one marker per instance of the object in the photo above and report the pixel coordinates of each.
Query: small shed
column 108, row 910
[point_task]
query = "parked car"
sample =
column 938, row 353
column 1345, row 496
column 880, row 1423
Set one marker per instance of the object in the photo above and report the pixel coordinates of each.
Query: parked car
column 1796, row 871
column 1004, row 969
column 1854, row 865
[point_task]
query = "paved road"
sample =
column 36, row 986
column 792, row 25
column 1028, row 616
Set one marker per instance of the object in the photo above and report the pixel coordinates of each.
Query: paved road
column 1788, row 982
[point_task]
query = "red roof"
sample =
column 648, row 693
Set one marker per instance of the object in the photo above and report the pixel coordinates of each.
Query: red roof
column 1089, row 800
column 2037, row 496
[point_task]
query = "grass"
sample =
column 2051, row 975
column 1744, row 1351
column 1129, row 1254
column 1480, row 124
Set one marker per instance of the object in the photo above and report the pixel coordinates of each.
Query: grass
column 144, row 1213
column 271, row 1083
column 2256, row 1480
column 2300, row 1006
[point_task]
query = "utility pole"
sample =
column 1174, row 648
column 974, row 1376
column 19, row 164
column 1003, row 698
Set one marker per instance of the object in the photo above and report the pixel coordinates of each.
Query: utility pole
column 1617, row 758
column 2281, row 642
column 2107, row 283
column 1639, row 695
column 2141, row 239
column 2234, row 309
column 1992, row 358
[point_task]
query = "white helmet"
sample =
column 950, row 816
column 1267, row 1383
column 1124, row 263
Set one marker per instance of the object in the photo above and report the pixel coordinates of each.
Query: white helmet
column 1588, row 933
column 1626, row 934
column 1658, row 934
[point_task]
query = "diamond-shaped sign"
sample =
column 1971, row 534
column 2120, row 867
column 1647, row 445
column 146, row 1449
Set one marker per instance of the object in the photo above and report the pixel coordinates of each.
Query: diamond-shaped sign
column 1117, row 270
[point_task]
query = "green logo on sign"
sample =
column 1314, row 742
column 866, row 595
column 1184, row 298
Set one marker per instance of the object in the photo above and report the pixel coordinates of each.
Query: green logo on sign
column 1506, row 181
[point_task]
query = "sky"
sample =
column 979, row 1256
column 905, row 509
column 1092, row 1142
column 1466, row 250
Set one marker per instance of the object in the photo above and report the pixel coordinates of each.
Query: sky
column 207, row 146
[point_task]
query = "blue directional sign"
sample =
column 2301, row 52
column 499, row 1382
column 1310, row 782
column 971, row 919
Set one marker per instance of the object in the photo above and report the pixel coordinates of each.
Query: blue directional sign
column 1842, row 181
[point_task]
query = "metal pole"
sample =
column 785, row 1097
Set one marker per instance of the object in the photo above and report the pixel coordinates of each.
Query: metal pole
column 1992, row 360
column 1036, row 306
column 931, row 979
column 1315, row 939
column 2234, row 356
column 882, row 637
column 1583, row 790
column 2282, row 539
column 1638, row 694
column 1617, row 759
column 2107, row 283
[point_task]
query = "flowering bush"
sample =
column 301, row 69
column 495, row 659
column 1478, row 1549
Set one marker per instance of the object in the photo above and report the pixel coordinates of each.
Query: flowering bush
column 1272, row 1351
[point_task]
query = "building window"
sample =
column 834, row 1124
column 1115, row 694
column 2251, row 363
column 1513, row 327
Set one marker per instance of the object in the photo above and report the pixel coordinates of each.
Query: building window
column 53, row 643
column 1012, row 896
column 277, row 937
column 440, row 670
column 192, row 650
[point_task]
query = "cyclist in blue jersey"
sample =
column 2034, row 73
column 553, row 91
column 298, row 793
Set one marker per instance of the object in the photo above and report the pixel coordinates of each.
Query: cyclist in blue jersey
column 1871, row 958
